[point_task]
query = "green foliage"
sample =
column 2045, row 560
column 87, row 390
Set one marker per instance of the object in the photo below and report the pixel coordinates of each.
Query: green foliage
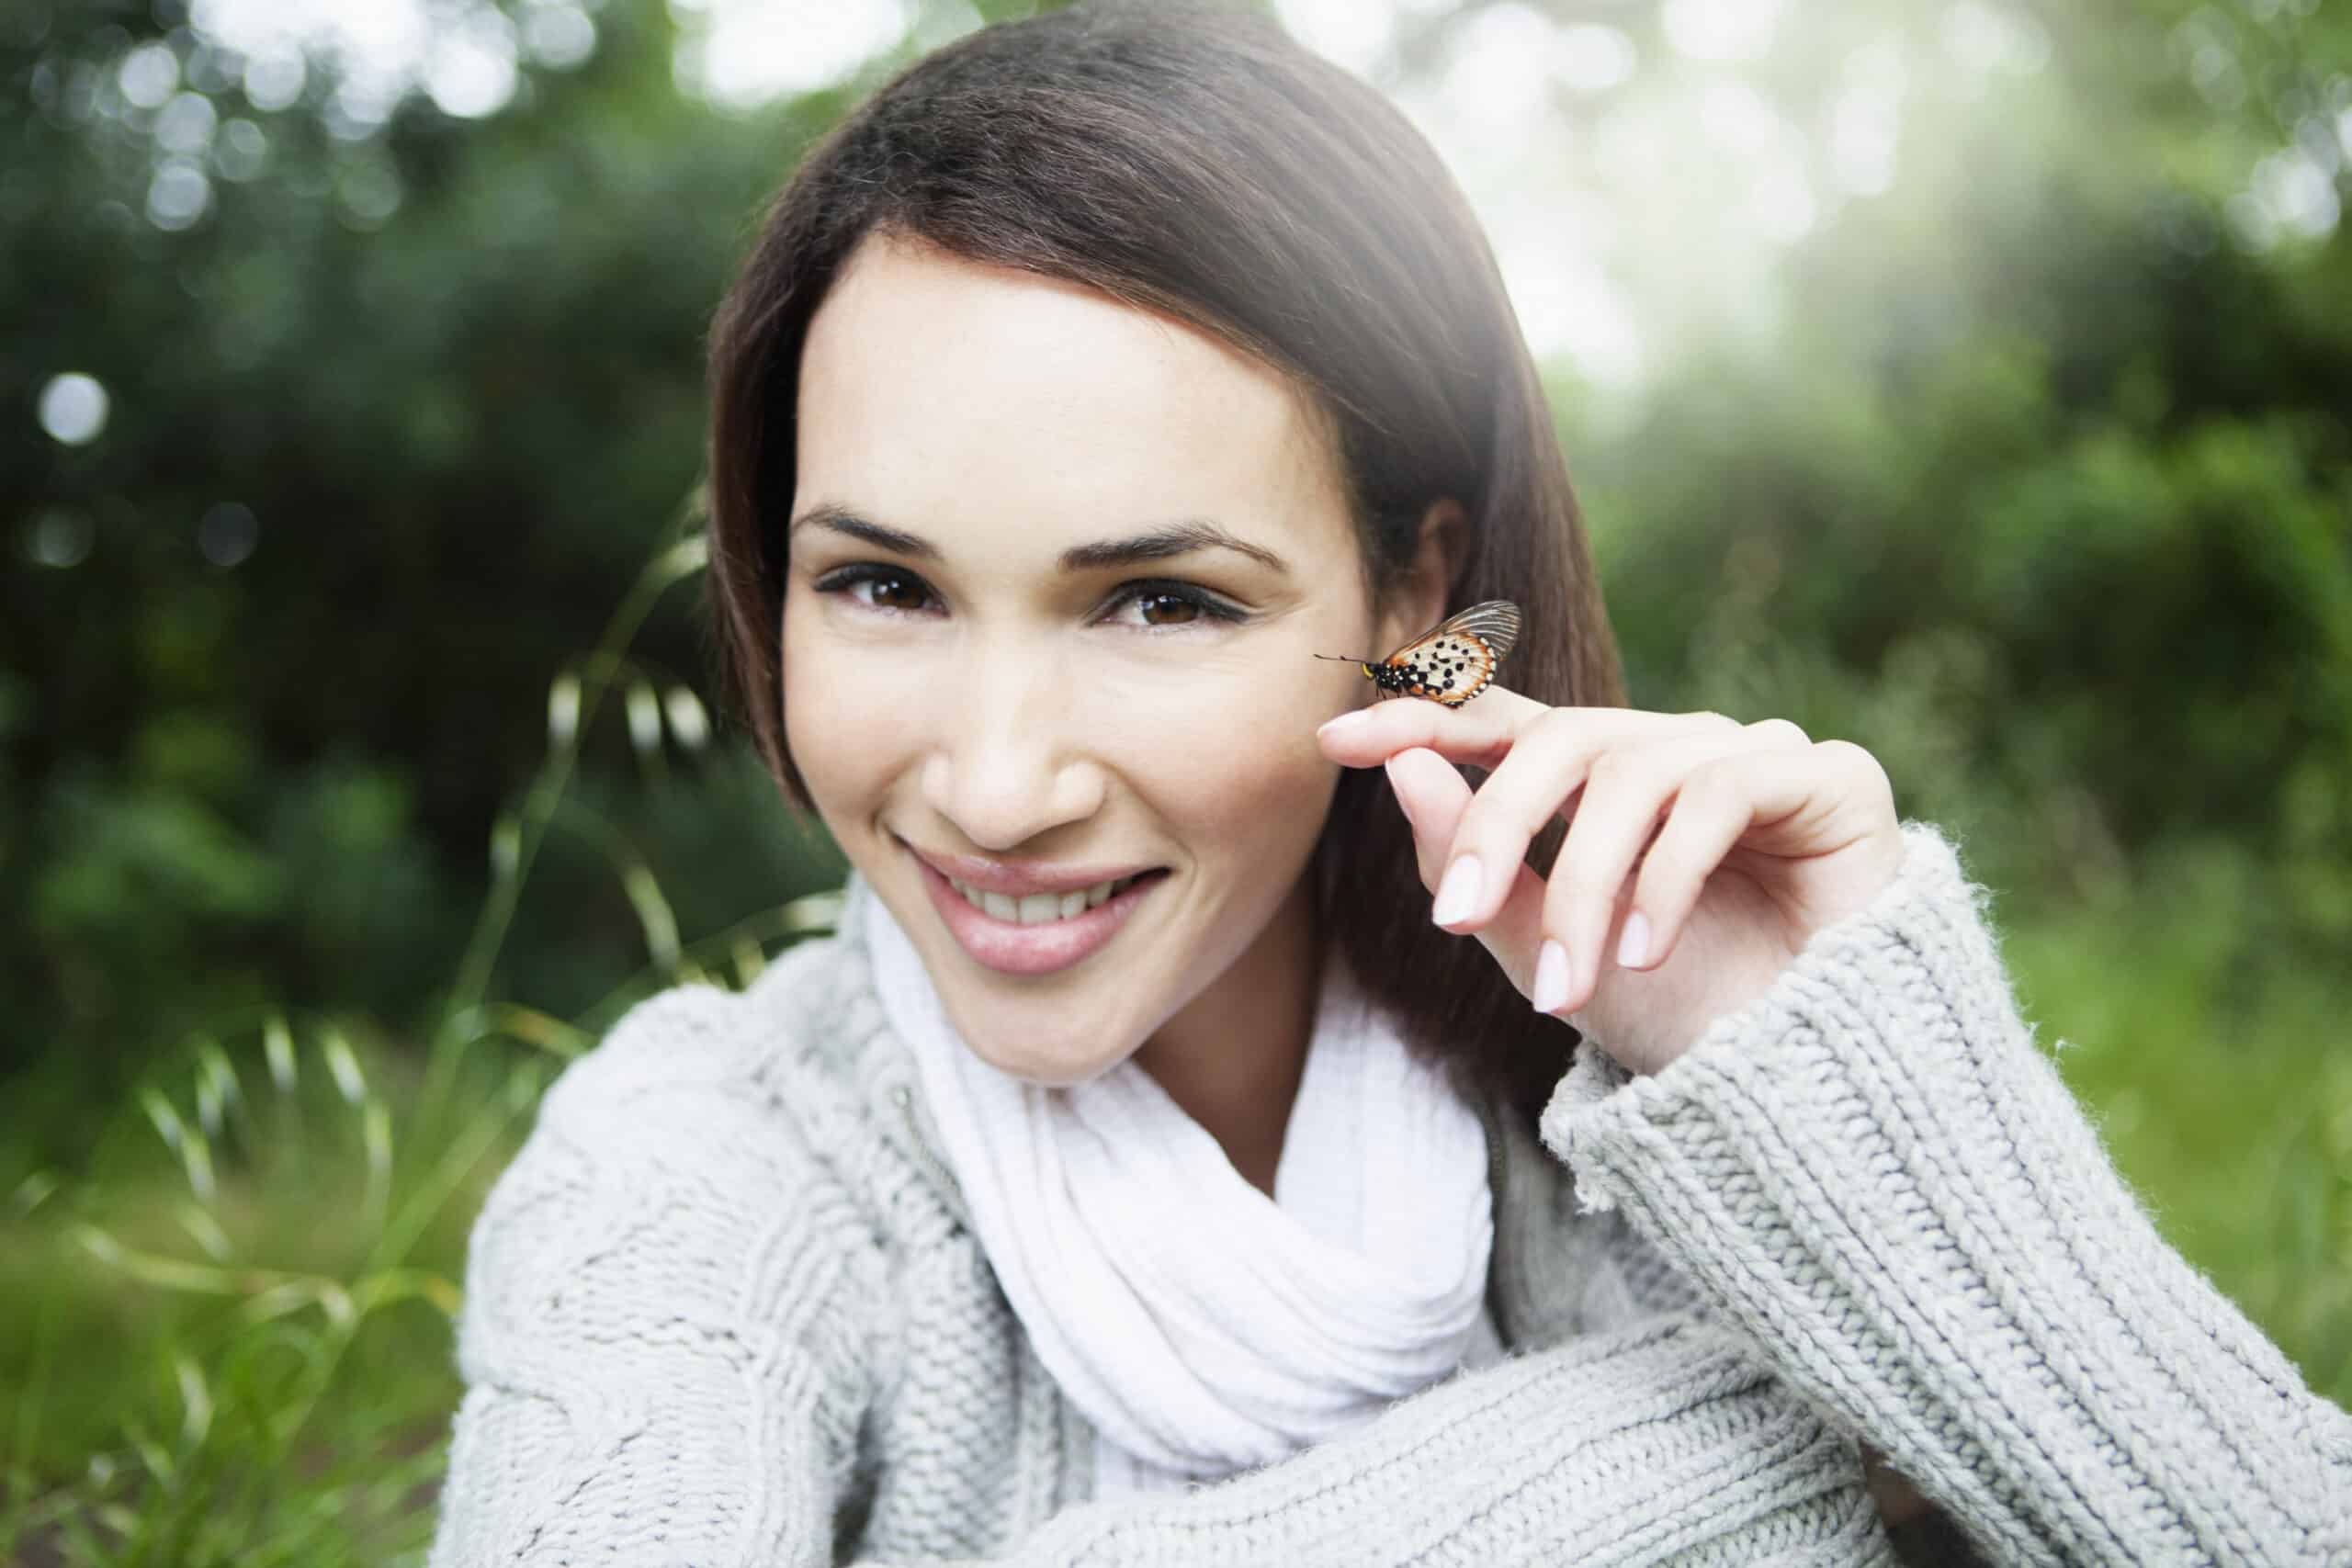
column 2075, row 495
column 227, row 1362
column 456, row 429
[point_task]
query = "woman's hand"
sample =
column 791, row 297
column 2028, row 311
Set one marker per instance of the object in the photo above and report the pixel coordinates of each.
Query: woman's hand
column 1700, row 855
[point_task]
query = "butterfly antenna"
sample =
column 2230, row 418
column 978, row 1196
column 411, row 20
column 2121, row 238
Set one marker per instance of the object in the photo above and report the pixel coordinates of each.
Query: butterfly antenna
column 1337, row 660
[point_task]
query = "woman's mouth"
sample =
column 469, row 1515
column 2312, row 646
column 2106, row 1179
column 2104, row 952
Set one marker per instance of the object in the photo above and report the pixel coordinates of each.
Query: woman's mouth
column 1035, row 933
column 1038, row 908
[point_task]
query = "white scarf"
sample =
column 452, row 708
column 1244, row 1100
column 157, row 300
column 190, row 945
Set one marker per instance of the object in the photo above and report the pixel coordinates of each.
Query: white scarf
column 1203, row 1328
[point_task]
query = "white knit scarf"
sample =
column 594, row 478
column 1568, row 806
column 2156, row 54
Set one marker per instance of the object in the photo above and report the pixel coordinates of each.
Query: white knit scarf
column 1203, row 1328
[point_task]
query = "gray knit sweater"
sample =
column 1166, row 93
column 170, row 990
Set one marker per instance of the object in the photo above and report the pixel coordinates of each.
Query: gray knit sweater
column 724, row 1309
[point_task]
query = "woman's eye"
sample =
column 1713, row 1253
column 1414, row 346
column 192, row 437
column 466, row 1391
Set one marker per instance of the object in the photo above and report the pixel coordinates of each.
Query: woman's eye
column 1167, row 604
column 1167, row 609
column 894, row 593
column 881, row 587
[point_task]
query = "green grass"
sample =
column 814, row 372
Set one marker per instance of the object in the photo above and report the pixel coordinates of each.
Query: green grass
column 230, row 1335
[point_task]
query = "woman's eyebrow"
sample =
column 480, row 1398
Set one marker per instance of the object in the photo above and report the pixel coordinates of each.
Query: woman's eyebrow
column 1172, row 540
column 841, row 520
column 1181, row 537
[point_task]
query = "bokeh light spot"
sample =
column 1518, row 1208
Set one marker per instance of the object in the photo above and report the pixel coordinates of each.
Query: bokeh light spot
column 471, row 72
column 227, row 533
column 1355, row 35
column 1866, row 119
column 2298, row 193
column 178, row 195
column 1720, row 29
column 1983, row 37
column 1595, row 57
column 73, row 407
column 58, row 537
column 184, row 126
column 367, row 193
column 274, row 78
column 742, row 53
column 149, row 74
column 239, row 151
column 558, row 37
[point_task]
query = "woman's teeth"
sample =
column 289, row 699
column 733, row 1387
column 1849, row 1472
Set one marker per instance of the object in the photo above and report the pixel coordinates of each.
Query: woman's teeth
column 1036, row 908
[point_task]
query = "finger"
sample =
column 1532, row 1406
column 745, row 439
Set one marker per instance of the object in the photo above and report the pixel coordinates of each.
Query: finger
column 1537, row 780
column 1629, row 791
column 1434, row 795
column 1720, row 805
column 1480, row 732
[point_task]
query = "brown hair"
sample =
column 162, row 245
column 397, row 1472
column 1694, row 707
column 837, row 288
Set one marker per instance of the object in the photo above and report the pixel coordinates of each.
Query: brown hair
column 1194, row 161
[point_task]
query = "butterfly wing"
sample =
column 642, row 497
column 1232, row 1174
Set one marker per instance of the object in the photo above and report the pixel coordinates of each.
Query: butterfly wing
column 1494, row 623
column 1454, row 660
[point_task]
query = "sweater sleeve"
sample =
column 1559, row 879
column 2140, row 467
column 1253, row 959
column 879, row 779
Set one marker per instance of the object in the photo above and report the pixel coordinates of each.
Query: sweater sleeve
column 666, row 1356
column 1872, row 1171
column 1662, row 1442
column 660, row 1339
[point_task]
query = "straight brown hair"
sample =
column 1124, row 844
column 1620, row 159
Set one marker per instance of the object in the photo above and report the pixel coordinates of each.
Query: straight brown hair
column 1194, row 160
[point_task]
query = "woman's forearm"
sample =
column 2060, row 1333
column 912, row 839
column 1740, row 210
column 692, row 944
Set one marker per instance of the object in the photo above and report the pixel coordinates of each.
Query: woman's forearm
column 1874, row 1171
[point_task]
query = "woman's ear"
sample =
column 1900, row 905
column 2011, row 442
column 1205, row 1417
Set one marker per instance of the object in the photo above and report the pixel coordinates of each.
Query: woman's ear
column 1417, row 597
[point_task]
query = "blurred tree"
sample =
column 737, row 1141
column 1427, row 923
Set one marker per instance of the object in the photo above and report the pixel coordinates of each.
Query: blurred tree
column 2052, row 448
column 2039, row 486
column 394, row 412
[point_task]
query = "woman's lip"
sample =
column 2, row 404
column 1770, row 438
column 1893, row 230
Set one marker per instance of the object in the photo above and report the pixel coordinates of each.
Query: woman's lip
column 1016, row 881
column 1012, row 949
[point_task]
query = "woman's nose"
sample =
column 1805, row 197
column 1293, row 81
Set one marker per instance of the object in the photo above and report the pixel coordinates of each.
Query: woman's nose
column 1012, row 763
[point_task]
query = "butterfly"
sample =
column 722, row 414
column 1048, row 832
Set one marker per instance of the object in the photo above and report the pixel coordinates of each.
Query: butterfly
column 1452, row 661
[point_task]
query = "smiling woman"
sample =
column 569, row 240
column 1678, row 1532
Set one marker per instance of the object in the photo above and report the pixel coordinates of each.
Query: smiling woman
column 1044, row 686
column 1146, row 1171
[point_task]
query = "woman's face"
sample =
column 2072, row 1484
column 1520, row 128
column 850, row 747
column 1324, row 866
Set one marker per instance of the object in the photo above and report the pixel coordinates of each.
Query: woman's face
column 1057, row 572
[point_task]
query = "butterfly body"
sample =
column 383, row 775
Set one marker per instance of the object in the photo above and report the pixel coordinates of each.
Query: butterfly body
column 1454, row 660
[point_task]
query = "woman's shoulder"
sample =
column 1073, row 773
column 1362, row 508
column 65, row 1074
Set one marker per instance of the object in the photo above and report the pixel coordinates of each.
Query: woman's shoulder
column 793, row 1066
column 681, row 1171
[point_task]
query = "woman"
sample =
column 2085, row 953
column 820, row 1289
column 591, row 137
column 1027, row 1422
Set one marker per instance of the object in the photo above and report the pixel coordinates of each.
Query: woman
column 1141, row 1174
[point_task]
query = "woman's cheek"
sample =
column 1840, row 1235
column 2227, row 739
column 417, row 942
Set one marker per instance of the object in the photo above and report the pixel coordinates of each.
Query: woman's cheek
column 845, row 722
column 1228, row 757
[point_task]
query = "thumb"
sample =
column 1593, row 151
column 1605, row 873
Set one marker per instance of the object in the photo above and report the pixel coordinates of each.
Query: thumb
column 1433, row 795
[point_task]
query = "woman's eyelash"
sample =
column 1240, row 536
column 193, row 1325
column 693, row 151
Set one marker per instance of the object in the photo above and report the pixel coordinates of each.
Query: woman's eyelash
column 841, row 579
column 1208, row 604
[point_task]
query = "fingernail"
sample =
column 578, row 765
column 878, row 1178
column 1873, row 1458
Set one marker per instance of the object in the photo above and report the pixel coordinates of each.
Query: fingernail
column 1346, row 721
column 1551, row 977
column 1633, row 942
column 1458, row 894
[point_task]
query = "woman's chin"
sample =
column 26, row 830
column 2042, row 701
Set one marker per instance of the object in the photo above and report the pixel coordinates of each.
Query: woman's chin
column 1055, row 1044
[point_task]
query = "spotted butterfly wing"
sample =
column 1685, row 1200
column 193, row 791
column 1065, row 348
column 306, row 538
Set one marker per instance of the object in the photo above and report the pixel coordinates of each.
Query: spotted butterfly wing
column 1454, row 660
